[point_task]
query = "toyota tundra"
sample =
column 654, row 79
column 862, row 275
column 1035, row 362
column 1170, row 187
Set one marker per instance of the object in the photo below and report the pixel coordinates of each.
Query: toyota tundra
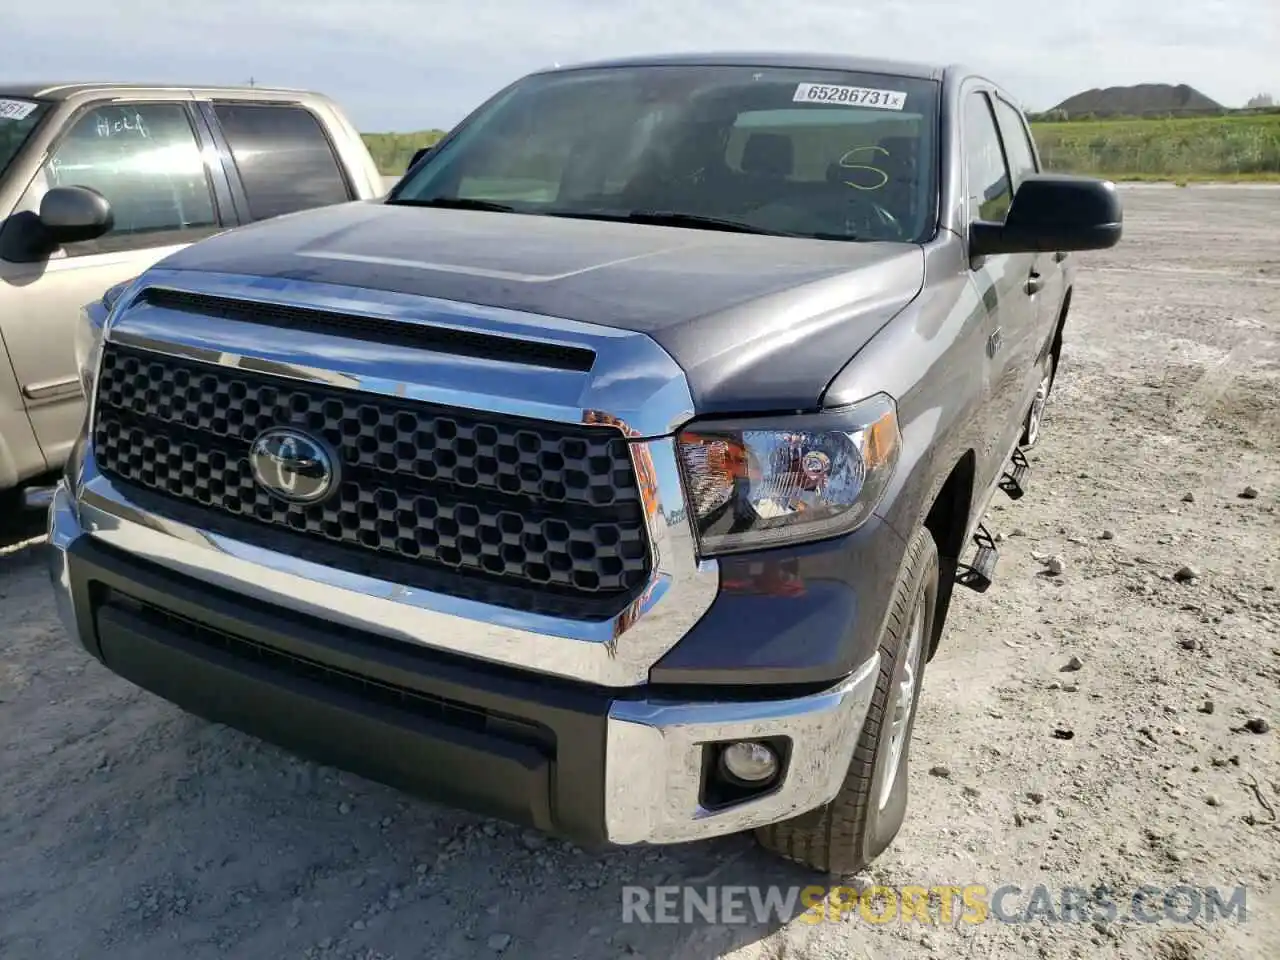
column 612, row 475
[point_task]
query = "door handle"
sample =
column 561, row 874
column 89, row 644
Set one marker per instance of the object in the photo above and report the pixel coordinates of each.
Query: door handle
column 1034, row 283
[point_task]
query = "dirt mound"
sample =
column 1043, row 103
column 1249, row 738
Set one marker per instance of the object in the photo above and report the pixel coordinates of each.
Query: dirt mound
column 1143, row 99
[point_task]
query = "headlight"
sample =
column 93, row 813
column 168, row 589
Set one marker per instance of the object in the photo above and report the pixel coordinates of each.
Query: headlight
column 754, row 484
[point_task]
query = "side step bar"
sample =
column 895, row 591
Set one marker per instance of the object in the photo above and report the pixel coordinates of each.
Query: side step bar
column 37, row 498
column 1014, row 480
column 979, row 574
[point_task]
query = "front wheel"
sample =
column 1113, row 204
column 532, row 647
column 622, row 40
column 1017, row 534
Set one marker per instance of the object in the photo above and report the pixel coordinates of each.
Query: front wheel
column 845, row 835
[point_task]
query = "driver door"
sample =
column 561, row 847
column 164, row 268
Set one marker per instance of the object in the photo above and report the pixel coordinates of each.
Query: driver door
column 148, row 158
column 1006, row 284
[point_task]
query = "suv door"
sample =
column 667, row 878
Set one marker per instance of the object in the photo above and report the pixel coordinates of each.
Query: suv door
column 1004, row 284
column 146, row 158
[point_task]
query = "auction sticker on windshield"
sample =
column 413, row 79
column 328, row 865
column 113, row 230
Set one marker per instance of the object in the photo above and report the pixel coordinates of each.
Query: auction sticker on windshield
column 16, row 109
column 850, row 96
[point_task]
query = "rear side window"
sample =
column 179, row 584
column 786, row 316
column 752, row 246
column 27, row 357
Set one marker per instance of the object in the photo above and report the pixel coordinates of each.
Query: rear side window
column 1017, row 146
column 283, row 157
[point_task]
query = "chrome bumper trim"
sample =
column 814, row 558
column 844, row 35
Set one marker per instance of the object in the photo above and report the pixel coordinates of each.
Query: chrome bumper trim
column 654, row 759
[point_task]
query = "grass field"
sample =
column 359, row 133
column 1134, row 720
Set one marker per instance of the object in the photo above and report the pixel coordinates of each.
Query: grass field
column 1192, row 148
column 392, row 151
column 1245, row 147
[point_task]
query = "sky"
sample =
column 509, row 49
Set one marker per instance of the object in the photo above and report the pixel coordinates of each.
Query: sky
column 417, row 64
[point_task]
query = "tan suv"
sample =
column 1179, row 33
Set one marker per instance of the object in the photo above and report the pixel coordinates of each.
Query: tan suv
column 100, row 181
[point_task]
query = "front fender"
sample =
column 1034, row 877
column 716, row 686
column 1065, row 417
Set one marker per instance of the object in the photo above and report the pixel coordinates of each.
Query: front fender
column 932, row 360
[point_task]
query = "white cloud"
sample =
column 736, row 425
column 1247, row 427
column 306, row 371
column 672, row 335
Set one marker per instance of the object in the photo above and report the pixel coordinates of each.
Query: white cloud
column 405, row 64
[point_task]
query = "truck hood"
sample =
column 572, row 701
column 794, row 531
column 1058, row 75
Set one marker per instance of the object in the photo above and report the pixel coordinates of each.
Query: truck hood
column 756, row 322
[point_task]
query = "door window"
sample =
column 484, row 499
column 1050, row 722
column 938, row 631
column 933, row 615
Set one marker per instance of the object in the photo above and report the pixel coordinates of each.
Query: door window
column 987, row 174
column 1016, row 141
column 145, row 159
column 284, row 159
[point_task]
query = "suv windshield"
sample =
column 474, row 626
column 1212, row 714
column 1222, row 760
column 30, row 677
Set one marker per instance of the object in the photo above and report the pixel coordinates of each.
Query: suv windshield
column 798, row 152
column 18, row 117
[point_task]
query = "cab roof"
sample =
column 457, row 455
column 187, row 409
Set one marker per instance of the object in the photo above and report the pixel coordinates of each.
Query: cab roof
column 65, row 90
column 781, row 59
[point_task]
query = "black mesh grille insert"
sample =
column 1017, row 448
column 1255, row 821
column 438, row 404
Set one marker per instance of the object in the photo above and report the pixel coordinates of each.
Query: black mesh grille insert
column 483, row 500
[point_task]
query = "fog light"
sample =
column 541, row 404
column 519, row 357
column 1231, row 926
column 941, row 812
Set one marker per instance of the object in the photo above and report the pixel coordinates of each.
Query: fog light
column 749, row 762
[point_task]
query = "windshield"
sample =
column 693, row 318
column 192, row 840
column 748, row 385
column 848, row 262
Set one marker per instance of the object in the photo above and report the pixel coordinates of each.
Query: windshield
column 18, row 117
column 814, row 153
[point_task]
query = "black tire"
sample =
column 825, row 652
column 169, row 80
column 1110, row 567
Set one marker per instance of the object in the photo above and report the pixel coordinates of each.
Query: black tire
column 1033, row 431
column 846, row 834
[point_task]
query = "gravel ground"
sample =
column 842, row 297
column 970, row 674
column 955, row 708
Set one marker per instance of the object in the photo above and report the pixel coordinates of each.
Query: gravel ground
column 131, row 830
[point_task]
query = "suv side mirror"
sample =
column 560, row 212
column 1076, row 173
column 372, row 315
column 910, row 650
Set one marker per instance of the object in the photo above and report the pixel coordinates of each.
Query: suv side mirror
column 1050, row 213
column 418, row 155
column 74, row 214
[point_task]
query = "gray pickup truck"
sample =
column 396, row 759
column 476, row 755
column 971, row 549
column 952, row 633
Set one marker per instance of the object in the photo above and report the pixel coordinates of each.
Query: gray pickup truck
column 613, row 474
column 163, row 166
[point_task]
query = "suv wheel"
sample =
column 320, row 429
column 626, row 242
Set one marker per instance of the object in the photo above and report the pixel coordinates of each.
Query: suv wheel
column 1035, row 416
column 846, row 834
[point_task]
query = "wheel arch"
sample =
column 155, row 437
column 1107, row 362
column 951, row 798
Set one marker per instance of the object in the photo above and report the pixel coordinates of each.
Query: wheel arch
column 1055, row 345
column 947, row 521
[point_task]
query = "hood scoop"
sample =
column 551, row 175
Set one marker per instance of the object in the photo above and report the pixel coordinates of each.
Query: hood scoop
column 401, row 333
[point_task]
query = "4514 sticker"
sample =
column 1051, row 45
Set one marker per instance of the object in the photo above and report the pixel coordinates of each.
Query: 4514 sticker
column 16, row 109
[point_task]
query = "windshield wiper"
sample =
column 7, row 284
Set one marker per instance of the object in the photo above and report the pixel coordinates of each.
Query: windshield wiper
column 671, row 218
column 454, row 203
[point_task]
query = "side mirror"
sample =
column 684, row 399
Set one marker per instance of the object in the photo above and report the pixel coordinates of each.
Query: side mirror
column 1050, row 213
column 418, row 155
column 73, row 214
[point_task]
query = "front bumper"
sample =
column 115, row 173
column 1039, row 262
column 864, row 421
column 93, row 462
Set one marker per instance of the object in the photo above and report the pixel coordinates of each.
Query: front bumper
column 583, row 762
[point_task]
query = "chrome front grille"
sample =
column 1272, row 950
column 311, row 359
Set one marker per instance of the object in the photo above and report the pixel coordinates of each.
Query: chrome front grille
column 521, row 513
column 475, row 366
